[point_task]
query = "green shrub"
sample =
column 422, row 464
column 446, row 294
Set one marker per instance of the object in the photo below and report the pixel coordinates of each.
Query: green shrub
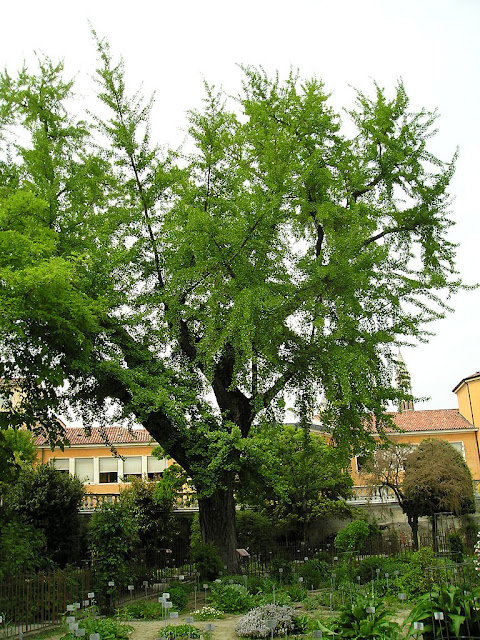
column 143, row 610
column 286, row 575
column 459, row 612
column 178, row 632
column 254, row 530
column 231, row 598
column 352, row 537
column 179, row 595
column 415, row 579
column 364, row 620
column 314, row 572
column 296, row 592
column 108, row 628
column 456, row 547
column 207, row 560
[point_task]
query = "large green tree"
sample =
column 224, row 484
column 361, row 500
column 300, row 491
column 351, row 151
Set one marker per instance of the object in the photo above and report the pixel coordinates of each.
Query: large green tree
column 49, row 501
column 193, row 290
column 427, row 479
column 294, row 477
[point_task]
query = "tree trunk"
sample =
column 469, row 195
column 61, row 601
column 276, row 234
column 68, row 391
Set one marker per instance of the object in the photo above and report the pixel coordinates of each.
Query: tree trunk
column 217, row 525
column 413, row 522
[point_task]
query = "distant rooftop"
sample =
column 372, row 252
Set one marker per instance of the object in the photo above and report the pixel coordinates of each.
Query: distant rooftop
column 115, row 435
column 431, row 420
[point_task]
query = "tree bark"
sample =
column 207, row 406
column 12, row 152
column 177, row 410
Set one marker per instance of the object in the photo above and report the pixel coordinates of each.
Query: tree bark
column 217, row 524
column 413, row 522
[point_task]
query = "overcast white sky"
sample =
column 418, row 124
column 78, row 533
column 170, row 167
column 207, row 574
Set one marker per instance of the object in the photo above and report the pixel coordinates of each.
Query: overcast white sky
column 170, row 47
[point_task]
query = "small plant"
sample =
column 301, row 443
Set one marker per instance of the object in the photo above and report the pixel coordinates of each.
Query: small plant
column 179, row 594
column 445, row 612
column 143, row 610
column 363, row 621
column 178, row 632
column 254, row 624
column 231, row 598
column 108, row 628
column 207, row 560
column 352, row 537
column 280, row 570
column 314, row 572
column 456, row 547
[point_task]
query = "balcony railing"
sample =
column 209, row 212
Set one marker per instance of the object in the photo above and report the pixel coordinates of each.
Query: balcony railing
column 362, row 494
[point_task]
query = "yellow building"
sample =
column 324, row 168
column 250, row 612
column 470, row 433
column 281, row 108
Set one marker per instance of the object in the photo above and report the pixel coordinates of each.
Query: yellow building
column 104, row 474
column 457, row 426
column 89, row 458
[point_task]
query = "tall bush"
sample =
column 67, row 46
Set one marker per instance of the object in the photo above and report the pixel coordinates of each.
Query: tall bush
column 112, row 534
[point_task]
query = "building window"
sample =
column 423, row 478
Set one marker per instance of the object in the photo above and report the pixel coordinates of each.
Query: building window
column 84, row 469
column 459, row 447
column 155, row 467
column 108, row 470
column 61, row 464
column 132, row 466
column 361, row 462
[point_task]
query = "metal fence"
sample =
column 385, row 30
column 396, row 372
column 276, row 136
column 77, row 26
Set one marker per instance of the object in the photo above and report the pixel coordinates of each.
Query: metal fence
column 29, row 603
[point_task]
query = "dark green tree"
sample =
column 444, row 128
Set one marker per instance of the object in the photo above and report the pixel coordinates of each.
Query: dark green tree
column 428, row 479
column 437, row 480
column 113, row 535
column 192, row 291
column 151, row 505
column 295, row 478
column 49, row 501
column 16, row 449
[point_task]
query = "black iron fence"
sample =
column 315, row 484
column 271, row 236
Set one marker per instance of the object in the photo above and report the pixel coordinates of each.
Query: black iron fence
column 29, row 603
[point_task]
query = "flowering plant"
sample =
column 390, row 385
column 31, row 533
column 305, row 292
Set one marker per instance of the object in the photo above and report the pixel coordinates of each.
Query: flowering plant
column 254, row 623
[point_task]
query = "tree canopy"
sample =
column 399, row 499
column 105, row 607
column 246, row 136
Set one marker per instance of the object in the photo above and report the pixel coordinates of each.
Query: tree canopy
column 428, row 479
column 190, row 290
column 295, row 478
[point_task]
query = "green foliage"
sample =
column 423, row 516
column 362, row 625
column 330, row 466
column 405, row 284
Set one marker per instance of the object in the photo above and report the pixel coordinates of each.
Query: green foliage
column 16, row 448
column 108, row 628
column 207, row 560
column 276, row 257
column 456, row 547
column 293, row 477
column 143, row 610
column 314, row 572
column 254, row 530
column 231, row 598
column 459, row 610
column 151, row 506
column 352, row 537
column 112, row 535
column 179, row 632
column 414, row 578
column 280, row 570
column 357, row 623
column 22, row 549
column 49, row 501
column 179, row 593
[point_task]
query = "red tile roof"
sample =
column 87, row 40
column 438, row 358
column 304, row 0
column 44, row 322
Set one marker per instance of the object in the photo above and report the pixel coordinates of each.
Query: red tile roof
column 115, row 435
column 431, row 420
